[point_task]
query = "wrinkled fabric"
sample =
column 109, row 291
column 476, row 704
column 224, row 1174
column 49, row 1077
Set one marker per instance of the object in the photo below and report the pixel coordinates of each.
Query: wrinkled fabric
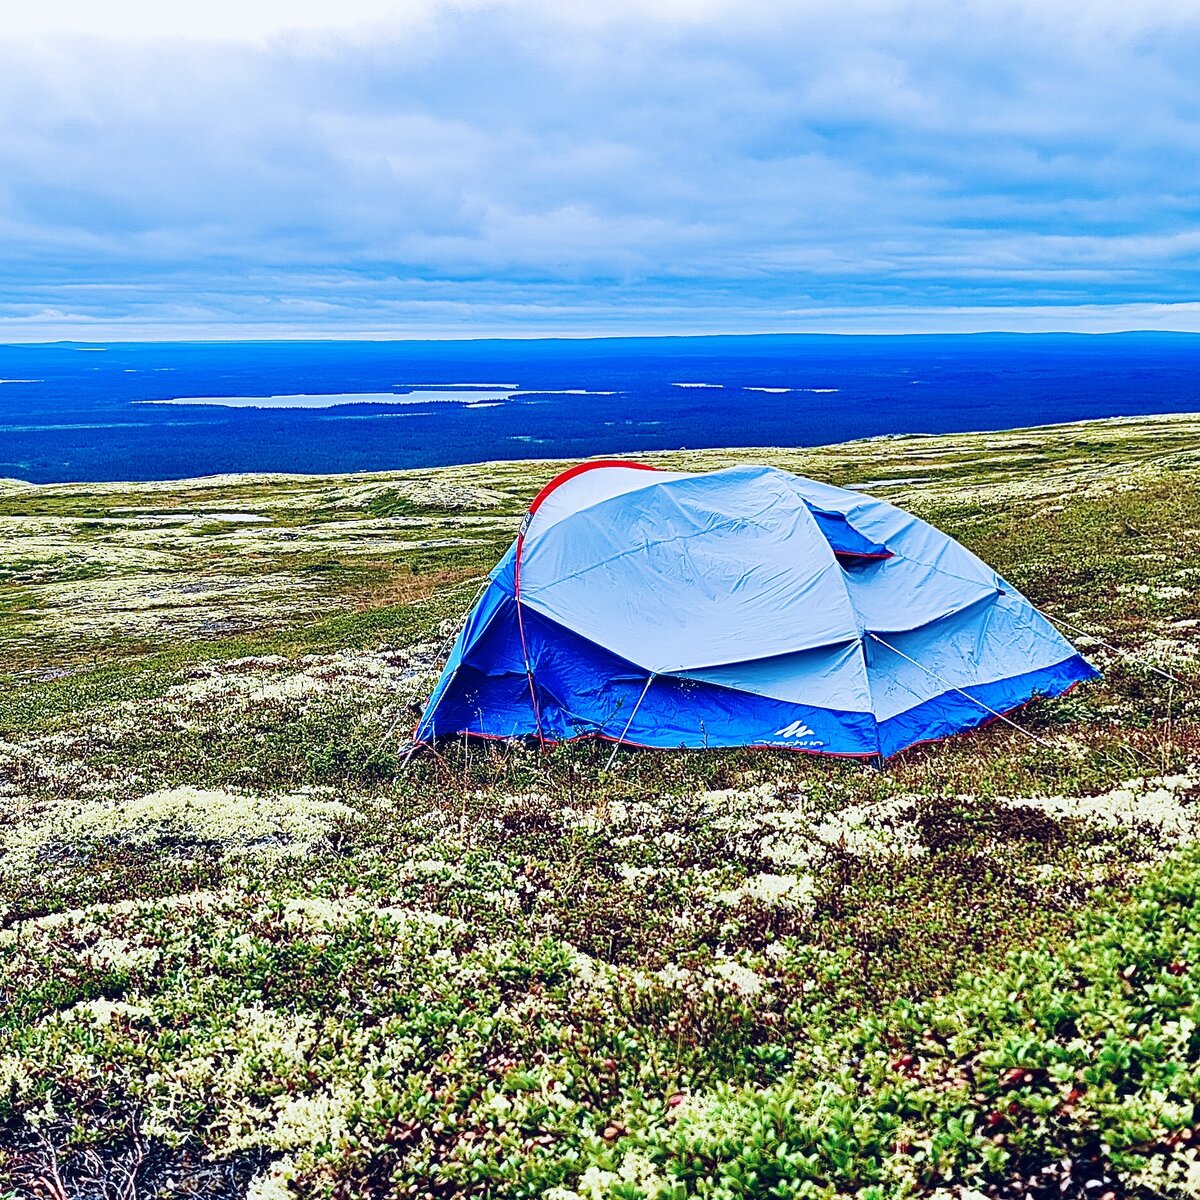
column 746, row 606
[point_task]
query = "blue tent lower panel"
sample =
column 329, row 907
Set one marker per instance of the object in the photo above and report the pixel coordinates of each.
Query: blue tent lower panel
column 584, row 690
column 488, row 693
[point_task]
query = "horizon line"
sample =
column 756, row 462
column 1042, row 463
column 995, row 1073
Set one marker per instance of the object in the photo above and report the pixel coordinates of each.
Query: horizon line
column 378, row 336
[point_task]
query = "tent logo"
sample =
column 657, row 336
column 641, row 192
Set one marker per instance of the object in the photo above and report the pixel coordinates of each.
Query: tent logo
column 796, row 729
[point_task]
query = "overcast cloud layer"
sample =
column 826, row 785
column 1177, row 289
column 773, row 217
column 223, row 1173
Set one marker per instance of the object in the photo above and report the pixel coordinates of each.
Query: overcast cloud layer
column 523, row 168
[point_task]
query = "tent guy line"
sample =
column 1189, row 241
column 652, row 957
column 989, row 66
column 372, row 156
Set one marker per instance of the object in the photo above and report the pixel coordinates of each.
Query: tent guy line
column 999, row 715
column 624, row 732
column 1125, row 654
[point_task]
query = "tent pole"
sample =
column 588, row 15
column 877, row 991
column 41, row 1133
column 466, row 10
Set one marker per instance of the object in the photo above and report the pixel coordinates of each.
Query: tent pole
column 999, row 715
column 617, row 745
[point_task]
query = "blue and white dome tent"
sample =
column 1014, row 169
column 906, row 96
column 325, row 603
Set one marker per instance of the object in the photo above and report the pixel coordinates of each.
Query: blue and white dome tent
column 745, row 607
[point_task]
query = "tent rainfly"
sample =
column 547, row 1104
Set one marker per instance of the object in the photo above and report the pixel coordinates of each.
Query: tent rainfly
column 744, row 607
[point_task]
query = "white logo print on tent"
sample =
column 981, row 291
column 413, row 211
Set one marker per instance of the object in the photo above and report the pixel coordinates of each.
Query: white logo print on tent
column 795, row 729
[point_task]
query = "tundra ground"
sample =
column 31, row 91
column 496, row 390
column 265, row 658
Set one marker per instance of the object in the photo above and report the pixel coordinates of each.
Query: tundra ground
column 246, row 951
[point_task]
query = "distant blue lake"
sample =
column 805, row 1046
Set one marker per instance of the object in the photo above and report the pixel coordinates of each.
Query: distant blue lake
column 167, row 410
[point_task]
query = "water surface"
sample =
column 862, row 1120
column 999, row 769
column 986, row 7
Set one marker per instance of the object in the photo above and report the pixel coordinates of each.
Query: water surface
column 167, row 410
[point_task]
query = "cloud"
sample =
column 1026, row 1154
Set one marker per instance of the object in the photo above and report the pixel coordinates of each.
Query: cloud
column 473, row 166
column 231, row 20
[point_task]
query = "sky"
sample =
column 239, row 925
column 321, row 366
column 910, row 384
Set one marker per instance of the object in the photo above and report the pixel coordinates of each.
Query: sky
column 253, row 168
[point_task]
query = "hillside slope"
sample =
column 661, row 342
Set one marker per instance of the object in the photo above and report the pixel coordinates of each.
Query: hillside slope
column 246, row 951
